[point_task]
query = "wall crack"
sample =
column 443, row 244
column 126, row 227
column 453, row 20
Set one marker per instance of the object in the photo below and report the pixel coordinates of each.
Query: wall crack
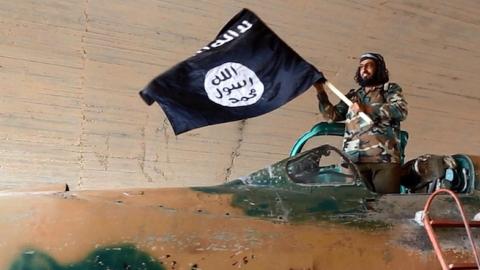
column 236, row 151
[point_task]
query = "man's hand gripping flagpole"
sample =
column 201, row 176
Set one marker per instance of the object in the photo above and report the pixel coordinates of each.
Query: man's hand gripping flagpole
column 347, row 101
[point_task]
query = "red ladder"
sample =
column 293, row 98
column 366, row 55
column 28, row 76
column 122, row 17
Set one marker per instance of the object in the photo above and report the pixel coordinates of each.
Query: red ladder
column 443, row 223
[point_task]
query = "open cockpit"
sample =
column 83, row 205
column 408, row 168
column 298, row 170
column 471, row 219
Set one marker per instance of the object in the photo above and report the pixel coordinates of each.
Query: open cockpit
column 328, row 166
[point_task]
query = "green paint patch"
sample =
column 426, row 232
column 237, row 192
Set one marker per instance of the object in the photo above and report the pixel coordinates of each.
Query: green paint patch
column 124, row 257
column 299, row 204
column 327, row 205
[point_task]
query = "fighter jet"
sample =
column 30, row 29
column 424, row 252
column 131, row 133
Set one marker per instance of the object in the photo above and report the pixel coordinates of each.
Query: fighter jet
column 311, row 210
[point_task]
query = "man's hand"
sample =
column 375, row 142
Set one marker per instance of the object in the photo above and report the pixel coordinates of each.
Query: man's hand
column 356, row 107
column 360, row 107
column 319, row 87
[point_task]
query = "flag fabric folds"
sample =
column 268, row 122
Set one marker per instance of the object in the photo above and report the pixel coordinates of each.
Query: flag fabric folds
column 245, row 72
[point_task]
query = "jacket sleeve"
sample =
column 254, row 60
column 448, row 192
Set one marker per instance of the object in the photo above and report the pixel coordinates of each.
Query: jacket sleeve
column 334, row 113
column 394, row 108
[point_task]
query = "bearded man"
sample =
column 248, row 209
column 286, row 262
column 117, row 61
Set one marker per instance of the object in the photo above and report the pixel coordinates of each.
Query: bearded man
column 374, row 147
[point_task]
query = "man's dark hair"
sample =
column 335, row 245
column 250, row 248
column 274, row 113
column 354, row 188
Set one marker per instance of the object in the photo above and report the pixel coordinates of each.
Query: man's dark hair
column 381, row 71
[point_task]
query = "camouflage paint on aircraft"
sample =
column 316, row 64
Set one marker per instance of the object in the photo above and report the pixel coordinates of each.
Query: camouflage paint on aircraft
column 197, row 228
column 302, row 204
column 125, row 257
column 270, row 193
column 264, row 221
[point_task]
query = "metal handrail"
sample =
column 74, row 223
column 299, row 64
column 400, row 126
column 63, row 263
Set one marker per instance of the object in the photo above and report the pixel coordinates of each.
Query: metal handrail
column 427, row 221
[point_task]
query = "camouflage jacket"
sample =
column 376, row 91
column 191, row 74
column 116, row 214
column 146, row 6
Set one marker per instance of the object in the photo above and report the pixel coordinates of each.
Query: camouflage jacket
column 370, row 143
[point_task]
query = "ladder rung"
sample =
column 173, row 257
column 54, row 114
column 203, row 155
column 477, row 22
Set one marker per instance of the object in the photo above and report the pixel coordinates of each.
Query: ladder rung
column 442, row 223
column 462, row 266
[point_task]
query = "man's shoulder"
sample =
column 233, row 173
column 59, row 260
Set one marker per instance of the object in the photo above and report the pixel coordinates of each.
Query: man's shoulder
column 391, row 86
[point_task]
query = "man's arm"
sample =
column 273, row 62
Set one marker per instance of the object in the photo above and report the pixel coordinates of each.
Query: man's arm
column 335, row 113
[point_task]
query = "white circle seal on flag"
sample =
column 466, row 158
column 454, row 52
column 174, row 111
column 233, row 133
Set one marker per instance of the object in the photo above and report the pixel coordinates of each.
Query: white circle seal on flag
column 233, row 85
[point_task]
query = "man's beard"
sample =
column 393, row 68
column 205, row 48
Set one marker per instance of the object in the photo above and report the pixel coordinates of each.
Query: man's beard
column 372, row 81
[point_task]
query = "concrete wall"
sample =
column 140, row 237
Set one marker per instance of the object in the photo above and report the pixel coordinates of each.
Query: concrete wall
column 70, row 72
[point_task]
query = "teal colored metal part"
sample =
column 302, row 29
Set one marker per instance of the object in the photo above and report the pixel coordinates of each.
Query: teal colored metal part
column 116, row 257
column 338, row 129
column 322, row 128
column 463, row 161
column 403, row 144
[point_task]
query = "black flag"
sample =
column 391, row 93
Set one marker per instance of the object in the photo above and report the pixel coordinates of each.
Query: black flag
column 245, row 72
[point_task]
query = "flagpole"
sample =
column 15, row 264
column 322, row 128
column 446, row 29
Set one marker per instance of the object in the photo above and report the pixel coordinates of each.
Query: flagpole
column 347, row 101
